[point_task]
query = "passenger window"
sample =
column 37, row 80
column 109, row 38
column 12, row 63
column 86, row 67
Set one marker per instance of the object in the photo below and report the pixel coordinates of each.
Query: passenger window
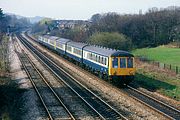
column 69, row 48
column 122, row 62
column 115, row 62
column 90, row 56
column 130, row 62
column 94, row 57
column 99, row 59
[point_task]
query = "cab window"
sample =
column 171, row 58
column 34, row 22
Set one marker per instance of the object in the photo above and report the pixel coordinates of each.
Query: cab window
column 115, row 62
column 122, row 62
column 130, row 62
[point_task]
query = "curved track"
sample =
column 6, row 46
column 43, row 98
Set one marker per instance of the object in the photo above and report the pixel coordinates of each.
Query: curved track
column 100, row 107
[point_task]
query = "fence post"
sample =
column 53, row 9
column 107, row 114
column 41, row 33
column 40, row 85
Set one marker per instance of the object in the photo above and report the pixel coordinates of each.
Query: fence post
column 176, row 69
column 164, row 65
column 158, row 64
column 170, row 66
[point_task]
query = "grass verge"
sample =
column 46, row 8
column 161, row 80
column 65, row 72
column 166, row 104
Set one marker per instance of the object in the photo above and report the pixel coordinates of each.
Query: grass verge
column 159, row 82
column 9, row 99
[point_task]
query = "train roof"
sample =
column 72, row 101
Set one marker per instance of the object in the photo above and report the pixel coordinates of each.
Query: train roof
column 121, row 53
column 53, row 37
column 63, row 40
column 77, row 44
column 46, row 36
column 50, row 37
column 95, row 49
column 107, row 52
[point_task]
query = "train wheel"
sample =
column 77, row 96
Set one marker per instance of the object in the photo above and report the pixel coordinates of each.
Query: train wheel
column 109, row 79
column 100, row 75
column 105, row 77
column 88, row 68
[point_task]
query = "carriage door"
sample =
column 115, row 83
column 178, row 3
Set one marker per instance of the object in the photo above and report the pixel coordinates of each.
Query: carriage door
column 115, row 66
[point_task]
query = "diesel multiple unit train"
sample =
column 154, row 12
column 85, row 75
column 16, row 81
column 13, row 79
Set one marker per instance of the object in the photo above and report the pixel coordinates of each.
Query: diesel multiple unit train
column 116, row 65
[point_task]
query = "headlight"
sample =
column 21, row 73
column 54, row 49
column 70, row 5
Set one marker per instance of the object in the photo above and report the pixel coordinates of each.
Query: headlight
column 131, row 72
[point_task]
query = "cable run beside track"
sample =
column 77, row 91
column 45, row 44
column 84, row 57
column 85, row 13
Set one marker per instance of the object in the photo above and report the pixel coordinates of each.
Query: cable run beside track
column 100, row 107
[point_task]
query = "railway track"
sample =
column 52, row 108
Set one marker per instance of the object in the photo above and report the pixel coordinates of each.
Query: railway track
column 52, row 104
column 159, row 106
column 95, row 103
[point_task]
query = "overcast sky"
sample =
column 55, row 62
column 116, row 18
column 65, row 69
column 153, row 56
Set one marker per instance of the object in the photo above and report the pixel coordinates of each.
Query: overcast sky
column 80, row 9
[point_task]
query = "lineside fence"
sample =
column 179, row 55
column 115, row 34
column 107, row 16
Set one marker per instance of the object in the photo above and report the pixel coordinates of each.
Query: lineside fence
column 170, row 67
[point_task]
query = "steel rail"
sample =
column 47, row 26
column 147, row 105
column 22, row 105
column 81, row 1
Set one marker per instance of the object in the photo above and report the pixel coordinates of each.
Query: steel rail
column 64, row 106
column 172, row 109
column 37, row 91
column 42, row 77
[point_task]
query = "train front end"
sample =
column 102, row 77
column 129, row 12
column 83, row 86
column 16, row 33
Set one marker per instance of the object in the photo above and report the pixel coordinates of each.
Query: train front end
column 121, row 67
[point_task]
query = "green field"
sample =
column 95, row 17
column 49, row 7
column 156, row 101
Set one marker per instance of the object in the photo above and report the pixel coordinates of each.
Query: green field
column 161, row 54
column 151, row 79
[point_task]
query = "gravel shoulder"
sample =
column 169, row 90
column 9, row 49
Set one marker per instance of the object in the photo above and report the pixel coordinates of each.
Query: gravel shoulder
column 27, row 104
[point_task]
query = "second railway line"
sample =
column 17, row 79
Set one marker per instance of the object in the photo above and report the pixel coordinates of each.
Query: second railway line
column 51, row 102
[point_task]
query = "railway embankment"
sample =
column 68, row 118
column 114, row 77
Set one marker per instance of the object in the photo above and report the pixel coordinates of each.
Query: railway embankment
column 8, row 89
column 160, row 83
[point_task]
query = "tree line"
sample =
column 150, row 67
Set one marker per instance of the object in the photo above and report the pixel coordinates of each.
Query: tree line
column 11, row 23
column 153, row 28
column 8, row 24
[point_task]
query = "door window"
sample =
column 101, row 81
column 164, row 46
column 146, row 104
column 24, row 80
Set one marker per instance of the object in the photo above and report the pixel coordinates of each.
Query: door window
column 115, row 62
